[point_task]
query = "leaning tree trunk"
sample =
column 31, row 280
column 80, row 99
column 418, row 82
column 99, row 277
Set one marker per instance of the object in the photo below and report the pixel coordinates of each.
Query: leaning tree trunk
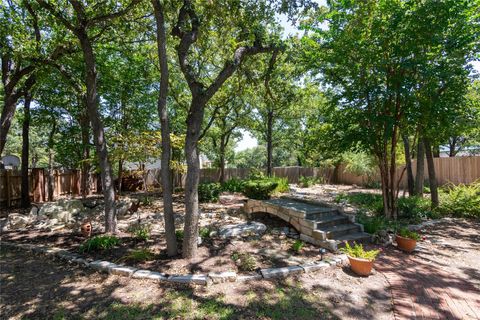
column 167, row 183
column 8, row 111
column 431, row 173
column 408, row 165
column 25, row 198
column 269, row 143
column 98, row 132
column 222, row 159
column 419, row 176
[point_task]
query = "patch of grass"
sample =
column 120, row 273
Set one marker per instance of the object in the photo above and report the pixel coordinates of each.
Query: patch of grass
column 244, row 261
column 204, row 232
column 298, row 245
column 140, row 231
column 139, row 255
column 99, row 243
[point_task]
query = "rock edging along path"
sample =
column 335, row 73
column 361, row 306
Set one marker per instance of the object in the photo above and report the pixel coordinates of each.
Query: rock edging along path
column 199, row 279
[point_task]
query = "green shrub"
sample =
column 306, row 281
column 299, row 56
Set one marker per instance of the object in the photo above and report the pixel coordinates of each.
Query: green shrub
column 298, row 245
column 98, row 243
column 369, row 201
column 146, row 201
column 404, row 232
column 209, row 192
column 259, row 189
column 179, row 235
column 461, row 200
column 307, row 182
column 256, row 174
column 140, row 231
column 204, row 232
column 372, row 224
column 282, row 184
column 357, row 251
column 414, row 209
column 244, row 261
column 233, row 185
column 139, row 255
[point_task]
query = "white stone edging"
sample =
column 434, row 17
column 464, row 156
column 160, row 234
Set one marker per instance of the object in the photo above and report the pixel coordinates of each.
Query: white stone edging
column 199, row 279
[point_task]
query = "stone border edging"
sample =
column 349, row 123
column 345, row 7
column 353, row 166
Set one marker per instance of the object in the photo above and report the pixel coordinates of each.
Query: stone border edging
column 199, row 279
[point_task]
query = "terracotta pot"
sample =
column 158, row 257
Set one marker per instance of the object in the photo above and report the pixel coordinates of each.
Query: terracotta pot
column 362, row 267
column 86, row 229
column 405, row 244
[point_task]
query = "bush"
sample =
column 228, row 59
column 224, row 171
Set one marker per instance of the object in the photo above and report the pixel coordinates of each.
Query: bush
column 370, row 201
column 244, row 261
column 259, row 189
column 298, row 245
column 357, row 251
column 98, row 243
column 256, row 174
column 372, row 224
column 282, row 184
column 204, row 232
column 233, row 185
column 140, row 232
column 414, row 209
column 139, row 255
column 404, row 232
column 179, row 235
column 307, row 182
column 208, row 192
column 461, row 200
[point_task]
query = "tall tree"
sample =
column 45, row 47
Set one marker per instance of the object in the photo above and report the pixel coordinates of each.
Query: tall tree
column 80, row 24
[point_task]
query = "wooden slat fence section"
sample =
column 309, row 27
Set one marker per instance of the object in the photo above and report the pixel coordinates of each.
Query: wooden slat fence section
column 65, row 182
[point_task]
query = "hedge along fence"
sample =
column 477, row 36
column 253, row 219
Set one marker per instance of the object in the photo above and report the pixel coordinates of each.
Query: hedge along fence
column 65, row 182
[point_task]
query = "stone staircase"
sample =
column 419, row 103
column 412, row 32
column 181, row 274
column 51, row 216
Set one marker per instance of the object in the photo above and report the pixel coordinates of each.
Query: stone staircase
column 317, row 223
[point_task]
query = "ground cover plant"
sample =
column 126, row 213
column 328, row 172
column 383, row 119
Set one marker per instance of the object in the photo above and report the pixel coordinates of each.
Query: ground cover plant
column 97, row 243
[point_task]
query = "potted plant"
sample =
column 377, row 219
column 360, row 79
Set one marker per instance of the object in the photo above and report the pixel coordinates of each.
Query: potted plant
column 361, row 261
column 406, row 240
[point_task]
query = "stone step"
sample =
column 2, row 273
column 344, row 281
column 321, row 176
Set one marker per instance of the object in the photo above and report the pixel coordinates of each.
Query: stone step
column 326, row 221
column 358, row 237
column 321, row 214
column 336, row 231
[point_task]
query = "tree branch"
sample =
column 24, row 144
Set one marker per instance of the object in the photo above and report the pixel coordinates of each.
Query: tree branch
column 106, row 17
column 57, row 14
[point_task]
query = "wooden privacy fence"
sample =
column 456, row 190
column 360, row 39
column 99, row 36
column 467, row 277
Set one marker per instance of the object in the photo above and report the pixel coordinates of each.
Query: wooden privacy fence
column 65, row 182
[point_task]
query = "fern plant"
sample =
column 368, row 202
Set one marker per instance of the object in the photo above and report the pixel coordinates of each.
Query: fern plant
column 357, row 251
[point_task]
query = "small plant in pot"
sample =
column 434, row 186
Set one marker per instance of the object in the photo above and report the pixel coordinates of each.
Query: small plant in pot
column 406, row 240
column 361, row 260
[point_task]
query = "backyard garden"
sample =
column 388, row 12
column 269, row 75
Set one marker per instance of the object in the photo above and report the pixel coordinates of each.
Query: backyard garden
column 272, row 159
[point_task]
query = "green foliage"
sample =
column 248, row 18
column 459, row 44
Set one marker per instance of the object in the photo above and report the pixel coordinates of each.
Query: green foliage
column 146, row 201
column 179, row 235
column 244, row 261
column 233, row 185
column 256, row 174
column 372, row 224
column 209, row 192
column 99, row 243
column 404, row 232
column 307, row 182
column 414, row 209
column 282, row 184
column 357, row 251
column 298, row 245
column 140, row 231
column 259, row 189
column 204, row 232
column 461, row 200
column 139, row 255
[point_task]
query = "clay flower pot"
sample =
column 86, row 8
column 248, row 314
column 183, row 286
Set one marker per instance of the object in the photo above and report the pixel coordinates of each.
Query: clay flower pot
column 360, row 266
column 405, row 244
column 86, row 229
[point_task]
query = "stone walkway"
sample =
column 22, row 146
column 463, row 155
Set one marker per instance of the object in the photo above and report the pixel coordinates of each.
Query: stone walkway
column 422, row 290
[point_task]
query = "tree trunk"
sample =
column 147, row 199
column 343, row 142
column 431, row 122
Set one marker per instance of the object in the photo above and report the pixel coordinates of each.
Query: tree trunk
column 85, row 128
column 8, row 112
column 98, row 132
column 419, row 176
column 408, row 165
column 120, row 176
column 50, row 182
column 222, row 159
column 25, row 198
column 167, row 183
column 269, row 143
column 194, row 122
column 431, row 173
